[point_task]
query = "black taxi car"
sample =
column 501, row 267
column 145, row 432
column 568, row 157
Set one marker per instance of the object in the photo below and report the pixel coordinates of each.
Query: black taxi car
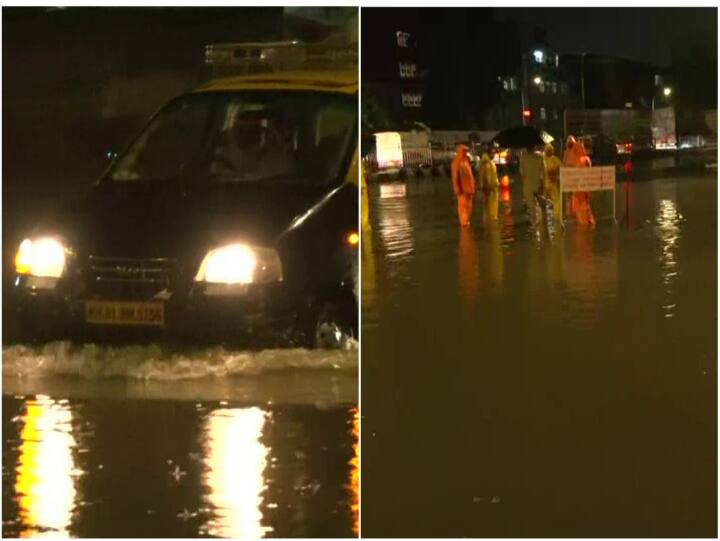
column 234, row 212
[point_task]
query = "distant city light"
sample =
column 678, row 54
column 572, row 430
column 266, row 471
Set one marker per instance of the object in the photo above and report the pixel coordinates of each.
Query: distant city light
column 538, row 54
column 537, row 80
column 667, row 91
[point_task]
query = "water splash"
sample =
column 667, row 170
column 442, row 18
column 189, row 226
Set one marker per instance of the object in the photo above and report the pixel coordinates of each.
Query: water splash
column 153, row 362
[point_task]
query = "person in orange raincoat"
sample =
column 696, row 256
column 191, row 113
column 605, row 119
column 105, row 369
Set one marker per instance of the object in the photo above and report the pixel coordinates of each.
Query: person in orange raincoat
column 579, row 203
column 463, row 183
column 569, row 161
column 569, row 153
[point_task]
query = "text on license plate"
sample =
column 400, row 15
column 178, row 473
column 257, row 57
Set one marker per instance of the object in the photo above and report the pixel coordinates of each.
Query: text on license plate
column 125, row 313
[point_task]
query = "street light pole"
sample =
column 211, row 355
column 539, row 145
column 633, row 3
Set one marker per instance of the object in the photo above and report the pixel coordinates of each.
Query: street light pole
column 667, row 91
column 525, row 90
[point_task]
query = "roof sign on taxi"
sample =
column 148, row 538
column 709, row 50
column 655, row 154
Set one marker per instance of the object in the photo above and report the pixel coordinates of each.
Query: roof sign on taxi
column 261, row 57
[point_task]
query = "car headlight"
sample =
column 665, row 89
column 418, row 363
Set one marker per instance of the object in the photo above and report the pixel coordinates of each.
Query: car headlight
column 240, row 264
column 41, row 257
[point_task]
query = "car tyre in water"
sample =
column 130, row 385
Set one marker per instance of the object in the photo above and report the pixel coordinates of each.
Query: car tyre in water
column 334, row 324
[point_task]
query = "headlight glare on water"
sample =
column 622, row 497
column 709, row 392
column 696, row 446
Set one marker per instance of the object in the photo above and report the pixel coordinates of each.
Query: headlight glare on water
column 240, row 264
column 41, row 257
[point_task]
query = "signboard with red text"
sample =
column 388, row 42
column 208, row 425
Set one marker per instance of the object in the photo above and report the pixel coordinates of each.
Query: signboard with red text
column 587, row 179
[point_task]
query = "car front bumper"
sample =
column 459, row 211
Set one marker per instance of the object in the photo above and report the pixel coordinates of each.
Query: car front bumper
column 50, row 307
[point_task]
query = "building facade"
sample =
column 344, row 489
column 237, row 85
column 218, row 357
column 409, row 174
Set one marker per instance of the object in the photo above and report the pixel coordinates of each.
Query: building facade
column 393, row 81
column 533, row 94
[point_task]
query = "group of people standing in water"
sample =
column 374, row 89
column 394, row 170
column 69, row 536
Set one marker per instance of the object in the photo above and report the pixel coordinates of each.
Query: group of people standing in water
column 540, row 177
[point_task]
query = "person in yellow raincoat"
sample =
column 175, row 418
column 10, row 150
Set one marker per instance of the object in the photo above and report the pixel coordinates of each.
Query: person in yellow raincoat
column 490, row 186
column 552, row 180
column 365, row 204
column 463, row 184
column 532, row 176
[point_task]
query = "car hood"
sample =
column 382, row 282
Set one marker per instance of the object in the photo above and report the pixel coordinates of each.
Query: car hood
column 166, row 219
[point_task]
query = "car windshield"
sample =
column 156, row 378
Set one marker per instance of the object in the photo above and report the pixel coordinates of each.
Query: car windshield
column 260, row 136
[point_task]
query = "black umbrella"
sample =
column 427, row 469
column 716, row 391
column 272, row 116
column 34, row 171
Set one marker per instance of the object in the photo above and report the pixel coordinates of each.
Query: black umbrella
column 522, row 137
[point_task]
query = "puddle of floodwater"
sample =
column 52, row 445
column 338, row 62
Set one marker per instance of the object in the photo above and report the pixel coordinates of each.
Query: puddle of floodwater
column 139, row 468
column 153, row 441
column 570, row 376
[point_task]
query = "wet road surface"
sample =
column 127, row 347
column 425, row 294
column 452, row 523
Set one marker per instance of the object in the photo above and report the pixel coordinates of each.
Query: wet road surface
column 141, row 441
column 540, row 383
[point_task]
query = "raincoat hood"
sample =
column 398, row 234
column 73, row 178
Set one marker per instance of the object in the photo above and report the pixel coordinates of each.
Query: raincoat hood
column 579, row 150
column 461, row 150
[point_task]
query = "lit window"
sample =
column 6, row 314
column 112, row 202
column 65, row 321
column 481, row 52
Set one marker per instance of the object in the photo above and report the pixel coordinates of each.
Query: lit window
column 402, row 38
column 408, row 71
column 411, row 99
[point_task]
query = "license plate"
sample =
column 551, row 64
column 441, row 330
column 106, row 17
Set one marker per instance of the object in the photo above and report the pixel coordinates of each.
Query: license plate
column 125, row 313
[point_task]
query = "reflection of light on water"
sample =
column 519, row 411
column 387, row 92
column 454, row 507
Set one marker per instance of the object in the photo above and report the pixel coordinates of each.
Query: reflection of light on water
column 589, row 274
column 355, row 473
column 235, row 461
column 668, row 220
column 395, row 228
column 507, row 222
column 468, row 267
column 392, row 190
column 45, row 481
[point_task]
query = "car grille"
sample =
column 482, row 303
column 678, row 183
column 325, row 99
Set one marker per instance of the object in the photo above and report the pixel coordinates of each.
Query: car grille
column 122, row 278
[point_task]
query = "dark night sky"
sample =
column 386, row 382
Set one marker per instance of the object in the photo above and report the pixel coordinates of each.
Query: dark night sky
column 644, row 34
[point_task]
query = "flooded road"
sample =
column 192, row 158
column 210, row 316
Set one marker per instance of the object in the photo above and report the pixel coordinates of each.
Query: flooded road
column 540, row 383
column 144, row 441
